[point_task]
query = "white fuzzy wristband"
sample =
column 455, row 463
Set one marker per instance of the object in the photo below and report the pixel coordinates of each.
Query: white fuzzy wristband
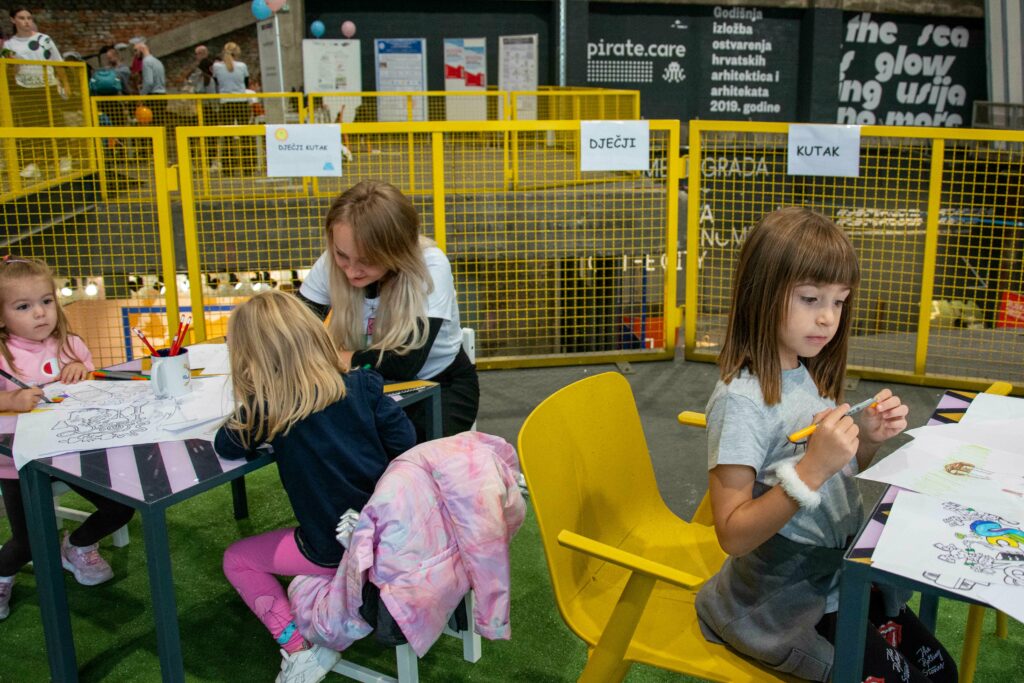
column 795, row 487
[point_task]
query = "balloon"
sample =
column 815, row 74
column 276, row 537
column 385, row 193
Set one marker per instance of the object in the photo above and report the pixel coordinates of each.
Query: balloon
column 348, row 29
column 275, row 5
column 261, row 10
column 317, row 28
column 143, row 114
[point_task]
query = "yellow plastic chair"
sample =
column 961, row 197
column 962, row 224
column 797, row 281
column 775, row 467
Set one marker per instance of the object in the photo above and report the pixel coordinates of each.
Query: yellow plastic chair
column 625, row 569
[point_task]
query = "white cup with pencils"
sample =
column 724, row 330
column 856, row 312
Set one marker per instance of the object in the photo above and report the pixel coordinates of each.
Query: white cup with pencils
column 170, row 375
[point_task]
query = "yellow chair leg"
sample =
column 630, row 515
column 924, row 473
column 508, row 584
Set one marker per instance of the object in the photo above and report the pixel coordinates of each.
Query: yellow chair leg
column 607, row 660
column 972, row 641
column 1002, row 625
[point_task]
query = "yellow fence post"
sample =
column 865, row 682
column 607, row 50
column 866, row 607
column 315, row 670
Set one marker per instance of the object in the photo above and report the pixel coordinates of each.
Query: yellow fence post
column 439, row 195
column 931, row 241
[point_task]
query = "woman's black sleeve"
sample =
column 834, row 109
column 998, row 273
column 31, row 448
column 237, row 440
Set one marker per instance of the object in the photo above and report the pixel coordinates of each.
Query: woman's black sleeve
column 396, row 367
column 321, row 310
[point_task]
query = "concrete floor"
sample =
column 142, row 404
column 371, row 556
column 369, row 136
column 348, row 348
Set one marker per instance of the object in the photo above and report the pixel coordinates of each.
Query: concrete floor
column 662, row 389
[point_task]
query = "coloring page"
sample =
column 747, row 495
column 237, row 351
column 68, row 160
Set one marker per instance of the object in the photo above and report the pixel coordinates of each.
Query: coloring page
column 958, row 547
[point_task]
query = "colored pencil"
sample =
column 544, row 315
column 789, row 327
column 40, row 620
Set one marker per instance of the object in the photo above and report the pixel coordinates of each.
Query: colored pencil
column 21, row 384
column 114, row 374
column 796, row 437
column 138, row 333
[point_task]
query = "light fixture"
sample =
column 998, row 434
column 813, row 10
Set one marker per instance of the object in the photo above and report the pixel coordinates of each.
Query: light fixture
column 212, row 281
column 135, row 283
column 262, row 280
column 67, row 289
column 91, row 289
column 234, row 281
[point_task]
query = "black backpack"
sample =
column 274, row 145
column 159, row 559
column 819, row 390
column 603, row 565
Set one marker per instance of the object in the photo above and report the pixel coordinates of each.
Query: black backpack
column 105, row 82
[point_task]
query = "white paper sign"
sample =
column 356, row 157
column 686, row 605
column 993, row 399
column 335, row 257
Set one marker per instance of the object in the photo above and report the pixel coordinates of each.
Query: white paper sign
column 615, row 145
column 303, row 150
column 824, row 150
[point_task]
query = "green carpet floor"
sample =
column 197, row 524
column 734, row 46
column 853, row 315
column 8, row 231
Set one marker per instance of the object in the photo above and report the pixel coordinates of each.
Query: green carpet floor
column 223, row 641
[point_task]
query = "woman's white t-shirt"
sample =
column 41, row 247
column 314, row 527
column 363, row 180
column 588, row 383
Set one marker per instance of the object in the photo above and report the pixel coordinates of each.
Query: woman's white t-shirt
column 37, row 47
column 230, row 81
column 441, row 303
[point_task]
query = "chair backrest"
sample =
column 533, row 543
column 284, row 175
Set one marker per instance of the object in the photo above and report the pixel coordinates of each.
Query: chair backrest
column 586, row 463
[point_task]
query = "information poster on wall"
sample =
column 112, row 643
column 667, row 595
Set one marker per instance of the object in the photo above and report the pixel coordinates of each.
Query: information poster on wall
column 721, row 62
column 910, row 71
column 271, row 72
column 465, row 69
column 332, row 66
column 401, row 66
column 517, row 71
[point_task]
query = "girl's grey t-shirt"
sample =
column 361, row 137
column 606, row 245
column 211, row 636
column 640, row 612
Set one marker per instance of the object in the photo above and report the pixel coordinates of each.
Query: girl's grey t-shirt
column 742, row 430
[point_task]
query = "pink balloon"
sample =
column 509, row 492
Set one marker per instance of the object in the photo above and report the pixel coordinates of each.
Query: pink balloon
column 275, row 5
column 348, row 29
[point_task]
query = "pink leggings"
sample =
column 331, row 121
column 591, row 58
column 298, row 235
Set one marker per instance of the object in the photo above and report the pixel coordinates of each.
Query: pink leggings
column 251, row 565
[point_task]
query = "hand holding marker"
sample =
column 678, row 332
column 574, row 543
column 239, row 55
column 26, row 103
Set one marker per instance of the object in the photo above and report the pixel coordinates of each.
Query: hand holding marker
column 799, row 436
column 21, row 384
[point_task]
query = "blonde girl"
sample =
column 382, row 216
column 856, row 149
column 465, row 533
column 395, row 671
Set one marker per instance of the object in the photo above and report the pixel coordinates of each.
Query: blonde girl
column 232, row 77
column 37, row 347
column 785, row 512
column 393, row 301
column 332, row 433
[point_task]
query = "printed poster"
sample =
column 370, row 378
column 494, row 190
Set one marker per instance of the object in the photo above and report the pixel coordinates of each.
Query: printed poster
column 271, row 71
column 401, row 66
column 517, row 70
column 465, row 69
column 333, row 66
column 296, row 151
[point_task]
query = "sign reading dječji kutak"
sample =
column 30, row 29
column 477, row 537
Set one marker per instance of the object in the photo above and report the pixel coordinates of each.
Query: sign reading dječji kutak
column 824, row 150
column 309, row 149
column 615, row 145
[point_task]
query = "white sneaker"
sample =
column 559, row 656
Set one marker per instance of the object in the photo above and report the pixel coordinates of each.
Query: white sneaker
column 30, row 171
column 66, row 165
column 307, row 666
column 6, row 584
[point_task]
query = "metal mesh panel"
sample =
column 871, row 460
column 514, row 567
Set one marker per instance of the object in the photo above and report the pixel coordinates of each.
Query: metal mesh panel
column 372, row 106
column 575, row 105
column 546, row 261
column 970, row 288
column 99, row 229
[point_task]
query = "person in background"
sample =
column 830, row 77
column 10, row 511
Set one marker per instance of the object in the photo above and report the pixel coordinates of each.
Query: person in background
column 38, row 89
column 232, row 77
column 193, row 75
column 153, row 82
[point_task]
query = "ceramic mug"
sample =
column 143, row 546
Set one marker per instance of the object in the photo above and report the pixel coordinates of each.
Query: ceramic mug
column 170, row 376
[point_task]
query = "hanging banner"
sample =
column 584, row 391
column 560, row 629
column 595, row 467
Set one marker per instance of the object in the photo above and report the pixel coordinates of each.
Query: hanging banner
column 331, row 66
column 465, row 69
column 401, row 65
column 268, row 39
column 517, row 70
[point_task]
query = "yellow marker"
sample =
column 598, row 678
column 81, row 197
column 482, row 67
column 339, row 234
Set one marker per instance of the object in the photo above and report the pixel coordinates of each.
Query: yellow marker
column 797, row 437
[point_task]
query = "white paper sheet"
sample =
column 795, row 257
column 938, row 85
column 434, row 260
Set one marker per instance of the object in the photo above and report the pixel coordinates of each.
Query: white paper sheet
column 959, row 548
column 966, row 472
column 212, row 358
column 988, row 407
column 1006, row 435
column 119, row 414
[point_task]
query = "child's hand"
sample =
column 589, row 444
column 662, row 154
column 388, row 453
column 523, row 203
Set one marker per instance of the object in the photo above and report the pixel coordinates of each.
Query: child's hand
column 73, row 372
column 833, row 444
column 23, row 400
column 884, row 420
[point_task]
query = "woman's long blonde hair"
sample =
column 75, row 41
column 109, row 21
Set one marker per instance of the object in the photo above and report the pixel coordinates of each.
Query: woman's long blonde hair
column 14, row 268
column 229, row 54
column 284, row 366
column 787, row 247
column 385, row 227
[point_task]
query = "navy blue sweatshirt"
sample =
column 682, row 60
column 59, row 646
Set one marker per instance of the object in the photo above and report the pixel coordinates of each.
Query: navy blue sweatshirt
column 331, row 461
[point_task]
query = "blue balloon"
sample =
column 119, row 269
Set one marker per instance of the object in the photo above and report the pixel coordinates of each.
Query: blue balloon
column 261, row 10
column 317, row 28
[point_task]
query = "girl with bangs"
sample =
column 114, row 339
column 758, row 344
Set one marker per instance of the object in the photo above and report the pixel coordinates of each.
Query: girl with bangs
column 784, row 511
column 392, row 299
column 333, row 433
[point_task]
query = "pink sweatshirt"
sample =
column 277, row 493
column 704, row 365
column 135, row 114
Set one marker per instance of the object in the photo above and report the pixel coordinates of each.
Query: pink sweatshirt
column 439, row 523
column 37, row 363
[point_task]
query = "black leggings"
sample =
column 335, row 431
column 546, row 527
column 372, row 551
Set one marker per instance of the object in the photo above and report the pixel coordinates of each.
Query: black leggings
column 460, row 399
column 897, row 648
column 15, row 553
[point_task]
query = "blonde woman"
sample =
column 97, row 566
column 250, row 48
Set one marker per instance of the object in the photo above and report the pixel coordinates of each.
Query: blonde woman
column 393, row 300
column 333, row 434
column 232, row 78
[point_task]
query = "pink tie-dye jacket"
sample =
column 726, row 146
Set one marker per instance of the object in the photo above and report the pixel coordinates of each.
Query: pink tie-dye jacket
column 439, row 523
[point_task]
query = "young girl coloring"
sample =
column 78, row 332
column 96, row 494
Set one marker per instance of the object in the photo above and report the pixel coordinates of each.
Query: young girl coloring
column 36, row 347
column 785, row 512
column 393, row 300
column 333, row 433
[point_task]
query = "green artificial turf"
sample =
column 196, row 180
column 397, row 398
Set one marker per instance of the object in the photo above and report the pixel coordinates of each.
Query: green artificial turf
column 223, row 641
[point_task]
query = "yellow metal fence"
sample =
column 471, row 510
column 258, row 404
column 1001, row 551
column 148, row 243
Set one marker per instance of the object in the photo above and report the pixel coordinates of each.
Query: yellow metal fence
column 936, row 216
column 570, row 270
column 105, row 230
